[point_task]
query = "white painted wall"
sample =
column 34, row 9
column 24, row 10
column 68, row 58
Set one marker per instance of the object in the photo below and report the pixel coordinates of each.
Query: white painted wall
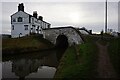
column 36, row 23
column 19, row 28
column 22, row 14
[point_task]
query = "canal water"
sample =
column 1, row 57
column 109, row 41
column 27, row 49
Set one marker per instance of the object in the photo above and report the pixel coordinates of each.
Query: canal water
column 31, row 65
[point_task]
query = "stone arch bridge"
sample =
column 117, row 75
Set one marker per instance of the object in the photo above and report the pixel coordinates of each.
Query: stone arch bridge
column 72, row 35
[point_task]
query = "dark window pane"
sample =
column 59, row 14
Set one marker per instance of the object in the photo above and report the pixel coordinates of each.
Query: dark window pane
column 12, row 27
column 19, row 19
column 26, row 27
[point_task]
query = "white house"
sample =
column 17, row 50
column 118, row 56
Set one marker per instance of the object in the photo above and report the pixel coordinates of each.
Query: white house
column 23, row 24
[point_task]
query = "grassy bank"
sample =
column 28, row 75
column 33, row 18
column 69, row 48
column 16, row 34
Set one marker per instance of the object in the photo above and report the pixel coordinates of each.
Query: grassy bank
column 114, row 52
column 79, row 61
column 24, row 44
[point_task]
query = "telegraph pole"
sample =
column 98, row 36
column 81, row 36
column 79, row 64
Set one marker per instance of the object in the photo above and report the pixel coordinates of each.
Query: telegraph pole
column 106, row 17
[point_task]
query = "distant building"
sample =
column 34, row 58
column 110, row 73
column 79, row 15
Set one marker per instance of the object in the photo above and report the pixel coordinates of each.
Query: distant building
column 115, row 34
column 23, row 24
column 109, row 30
column 112, row 32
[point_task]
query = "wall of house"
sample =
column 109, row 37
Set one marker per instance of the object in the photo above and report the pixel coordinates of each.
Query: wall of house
column 19, row 29
column 35, row 24
column 41, row 24
column 24, row 15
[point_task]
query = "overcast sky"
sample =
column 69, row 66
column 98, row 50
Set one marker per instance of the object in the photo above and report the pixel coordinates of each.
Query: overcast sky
column 78, row 14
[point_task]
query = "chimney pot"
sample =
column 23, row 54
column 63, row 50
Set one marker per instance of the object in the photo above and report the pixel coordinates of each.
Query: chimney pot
column 40, row 18
column 21, row 7
column 35, row 14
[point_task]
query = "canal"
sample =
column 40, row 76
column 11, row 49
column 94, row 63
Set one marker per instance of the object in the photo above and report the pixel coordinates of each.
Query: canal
column 31, row 65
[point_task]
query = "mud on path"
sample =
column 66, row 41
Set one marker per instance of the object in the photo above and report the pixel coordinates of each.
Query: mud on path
column 104, row 67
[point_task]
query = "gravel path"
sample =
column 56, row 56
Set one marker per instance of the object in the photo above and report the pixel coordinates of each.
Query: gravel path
column 105, row 68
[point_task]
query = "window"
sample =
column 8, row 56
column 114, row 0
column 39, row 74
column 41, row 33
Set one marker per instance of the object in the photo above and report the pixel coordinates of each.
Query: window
column 38, row 27
column 32, row 20
column 14, row 20
column 26, row 27
column 33, row 26
column 19, row 19
column 12, row 27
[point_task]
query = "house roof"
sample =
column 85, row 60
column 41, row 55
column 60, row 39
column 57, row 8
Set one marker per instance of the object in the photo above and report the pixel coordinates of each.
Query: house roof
column 29, row 15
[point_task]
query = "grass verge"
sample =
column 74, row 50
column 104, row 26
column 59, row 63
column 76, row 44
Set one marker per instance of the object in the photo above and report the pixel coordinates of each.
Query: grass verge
column 78, row 61
column 24, row 44
column 114, row 52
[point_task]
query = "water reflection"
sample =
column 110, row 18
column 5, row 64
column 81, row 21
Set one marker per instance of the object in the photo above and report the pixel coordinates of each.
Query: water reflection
column 33, row 65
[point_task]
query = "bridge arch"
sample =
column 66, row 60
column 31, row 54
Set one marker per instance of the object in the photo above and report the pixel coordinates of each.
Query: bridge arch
column 62, row 41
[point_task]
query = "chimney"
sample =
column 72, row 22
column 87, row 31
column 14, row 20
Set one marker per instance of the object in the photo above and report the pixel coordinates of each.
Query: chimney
column 40, row 18
column 21, row 7
column 35, row 14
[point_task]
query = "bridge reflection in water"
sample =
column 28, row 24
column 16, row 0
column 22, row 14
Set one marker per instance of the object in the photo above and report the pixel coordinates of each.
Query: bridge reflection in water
column 33, row 65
